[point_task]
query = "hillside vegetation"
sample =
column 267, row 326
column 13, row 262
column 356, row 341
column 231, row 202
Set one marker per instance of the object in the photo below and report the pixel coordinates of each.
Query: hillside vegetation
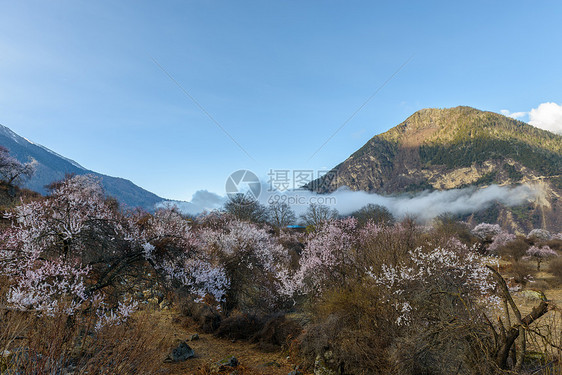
column 437, row 149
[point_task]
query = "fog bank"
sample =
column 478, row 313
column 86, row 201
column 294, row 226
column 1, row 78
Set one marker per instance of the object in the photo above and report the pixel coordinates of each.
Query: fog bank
column 424, row 206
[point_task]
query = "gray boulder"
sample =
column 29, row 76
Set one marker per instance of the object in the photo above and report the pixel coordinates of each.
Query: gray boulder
column 181, row 353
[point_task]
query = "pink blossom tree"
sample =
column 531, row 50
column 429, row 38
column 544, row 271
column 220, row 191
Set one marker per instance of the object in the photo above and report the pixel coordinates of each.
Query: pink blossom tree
column 252, row 261
column 500, row 240
column 51, row 248
column 172, row 248
column 452, row 270
column 540, row 254
column 492, row 237
column 486, row 232
column 75, row 246
column 325, row 259
column 539, row 234
column 12, row 170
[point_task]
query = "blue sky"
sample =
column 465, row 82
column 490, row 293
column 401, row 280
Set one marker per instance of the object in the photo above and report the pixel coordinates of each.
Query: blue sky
column 279, row 76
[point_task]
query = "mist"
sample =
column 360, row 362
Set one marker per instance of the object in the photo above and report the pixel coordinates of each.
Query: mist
column 201, row 201
column 423, row 206
column 428, row 205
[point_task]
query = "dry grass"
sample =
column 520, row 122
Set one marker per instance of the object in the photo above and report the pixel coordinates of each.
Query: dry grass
column 45, row 344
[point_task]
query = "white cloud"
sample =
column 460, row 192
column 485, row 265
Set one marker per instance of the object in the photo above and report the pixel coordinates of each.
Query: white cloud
column 547, row 116
column 514, row 115
column 201, row 201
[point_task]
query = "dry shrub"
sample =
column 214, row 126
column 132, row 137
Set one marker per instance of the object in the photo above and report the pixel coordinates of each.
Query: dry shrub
column 515, row 250
column 360, row 326
column 545, row 345
column 354, row 328
column 270, row 333
column 448, row 333
column 206, row 316
column 555, row 244
column 62, row 343
column 459, row 347
column 446, row 227
column 294, row 245
column 277, row 333
column 389, row 245
column 240, row 326
column 137, row 347
column 555, row 268
column 522, row 273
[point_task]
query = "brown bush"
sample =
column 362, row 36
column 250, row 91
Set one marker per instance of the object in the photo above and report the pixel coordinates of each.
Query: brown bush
column 207, row 317
column 240, row 326
column 61, row 344
column 454, row 348
column 515, row 250
column 137, row 347
column 270, row 333
column 522, row 273
column 389, row 246
column 352, row 330
column 356, row 329
column 555, row 268
column 555, row 244
column 446, row 226
column 277, row 333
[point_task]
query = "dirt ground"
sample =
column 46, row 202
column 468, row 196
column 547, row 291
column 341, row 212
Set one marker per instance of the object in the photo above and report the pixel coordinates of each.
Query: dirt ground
column 209, row 349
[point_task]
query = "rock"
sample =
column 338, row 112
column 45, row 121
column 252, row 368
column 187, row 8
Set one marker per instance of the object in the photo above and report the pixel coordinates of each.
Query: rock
column 230, row 361
column 533, row 295
column 181, row 353
column 194, row 337
column 225, row 364
column 295, row 372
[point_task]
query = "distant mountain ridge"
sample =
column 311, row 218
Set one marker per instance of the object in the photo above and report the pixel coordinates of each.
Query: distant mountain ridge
column 51, row 167
column 438, row 149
